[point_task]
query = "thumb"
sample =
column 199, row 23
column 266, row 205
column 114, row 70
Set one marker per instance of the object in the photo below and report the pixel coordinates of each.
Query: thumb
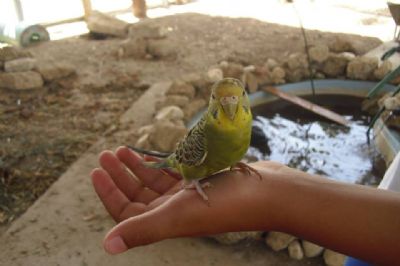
column 140, row 230
column 169, row 220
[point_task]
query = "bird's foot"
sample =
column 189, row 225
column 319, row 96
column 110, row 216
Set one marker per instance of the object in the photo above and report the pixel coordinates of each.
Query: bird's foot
column 195, row 184
column 245, row 168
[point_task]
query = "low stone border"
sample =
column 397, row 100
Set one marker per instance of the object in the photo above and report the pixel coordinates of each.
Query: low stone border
column 19, row 70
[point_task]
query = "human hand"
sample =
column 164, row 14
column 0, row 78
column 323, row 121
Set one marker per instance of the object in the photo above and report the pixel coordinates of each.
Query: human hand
column 150, row 206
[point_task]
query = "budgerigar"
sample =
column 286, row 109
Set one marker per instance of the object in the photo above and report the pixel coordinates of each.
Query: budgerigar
column 218, row 141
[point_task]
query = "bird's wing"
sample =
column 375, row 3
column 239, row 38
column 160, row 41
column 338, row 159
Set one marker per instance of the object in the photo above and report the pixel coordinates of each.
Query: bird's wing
column 192, row 150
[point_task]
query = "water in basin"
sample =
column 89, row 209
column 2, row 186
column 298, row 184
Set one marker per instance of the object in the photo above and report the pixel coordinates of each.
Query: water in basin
column 294, row 136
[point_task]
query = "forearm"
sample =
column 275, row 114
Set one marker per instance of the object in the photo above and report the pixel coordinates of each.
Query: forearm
column 352, row 219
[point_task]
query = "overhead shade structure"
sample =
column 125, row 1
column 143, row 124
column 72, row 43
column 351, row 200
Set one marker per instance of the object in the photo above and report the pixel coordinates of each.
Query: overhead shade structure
column 23, row 34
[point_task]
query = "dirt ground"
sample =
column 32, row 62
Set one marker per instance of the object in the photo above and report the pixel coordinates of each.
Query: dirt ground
column 44, row 131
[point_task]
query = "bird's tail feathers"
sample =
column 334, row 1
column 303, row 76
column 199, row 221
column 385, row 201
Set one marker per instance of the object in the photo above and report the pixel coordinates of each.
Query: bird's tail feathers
column 151, row 153
column 157, row 165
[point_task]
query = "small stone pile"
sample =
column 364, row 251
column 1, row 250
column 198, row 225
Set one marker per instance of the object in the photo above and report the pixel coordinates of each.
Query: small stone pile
column 184, row 98
column 147, row 41
column 19, row 70
column 299, row 249
column 392, row 105
column 335, row 61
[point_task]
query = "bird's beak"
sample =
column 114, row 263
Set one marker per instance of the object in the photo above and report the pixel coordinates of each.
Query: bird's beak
column 229, row 105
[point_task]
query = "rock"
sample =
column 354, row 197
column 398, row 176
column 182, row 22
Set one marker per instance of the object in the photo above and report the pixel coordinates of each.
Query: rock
column 162, row 49
column 311, row 250
column 263, row 75
column 144, row 130
column 166, row 135
column 347, row 55
column 193, row 108
column 278, row 75
column 382, row 99
column 12, row 52
column 384, row 69
column 249, row 68
column 52, row 70
column 143, row 142
column 335, row 66
column 297, row 61
column 362, row 68
column 20, row 64
column 3, row 217
column 340, row 45
column 231, row 70
column 250, row 81
column 135, row 48
column 297, row 74
column 179, row 87
column 177, row 100
column 392, row 103
column 295, row 250
column 319, row 75
column 147, row 30
column 196, row 79
column 21, row 80
column 319, row 53
column 99, row 22
column 235, row 237
column 170, row 113
column 278, row 241
column 271, row 63
column 215, row 74
column 333, row 258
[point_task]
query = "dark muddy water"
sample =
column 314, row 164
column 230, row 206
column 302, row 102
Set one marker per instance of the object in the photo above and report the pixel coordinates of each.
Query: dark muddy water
column 291, row 135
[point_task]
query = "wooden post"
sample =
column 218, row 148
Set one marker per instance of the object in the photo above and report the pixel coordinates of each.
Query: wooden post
column 87, row 7
column 19, row 10
column 139, row 8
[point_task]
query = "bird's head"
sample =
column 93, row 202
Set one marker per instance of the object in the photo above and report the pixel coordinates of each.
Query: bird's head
column 228, row 95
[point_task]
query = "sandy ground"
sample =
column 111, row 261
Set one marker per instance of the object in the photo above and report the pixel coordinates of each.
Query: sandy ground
column 67, row 224
column 57, row 228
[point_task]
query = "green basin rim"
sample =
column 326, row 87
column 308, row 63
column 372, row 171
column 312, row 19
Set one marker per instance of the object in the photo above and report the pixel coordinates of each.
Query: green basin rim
column 326, row 86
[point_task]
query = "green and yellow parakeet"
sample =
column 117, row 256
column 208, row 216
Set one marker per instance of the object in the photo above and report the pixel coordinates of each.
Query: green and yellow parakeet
column 218, row 141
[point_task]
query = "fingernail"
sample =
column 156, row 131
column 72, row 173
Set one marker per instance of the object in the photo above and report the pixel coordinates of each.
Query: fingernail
column 115, row 245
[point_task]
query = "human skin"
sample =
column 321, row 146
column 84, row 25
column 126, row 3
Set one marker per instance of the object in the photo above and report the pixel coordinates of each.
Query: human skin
column 150, row 206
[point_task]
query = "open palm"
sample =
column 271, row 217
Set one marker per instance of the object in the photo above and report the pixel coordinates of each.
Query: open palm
column 149, row 205
column 125, row 195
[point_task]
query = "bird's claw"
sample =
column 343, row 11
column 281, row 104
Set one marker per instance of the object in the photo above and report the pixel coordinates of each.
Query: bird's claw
column 247, row 169
column 195, row 184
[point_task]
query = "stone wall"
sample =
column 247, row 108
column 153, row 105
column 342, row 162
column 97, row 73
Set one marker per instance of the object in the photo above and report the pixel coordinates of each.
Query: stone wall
column 19, row 70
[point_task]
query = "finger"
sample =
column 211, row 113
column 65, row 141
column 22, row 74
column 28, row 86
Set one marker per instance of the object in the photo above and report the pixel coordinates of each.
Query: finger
column 116, row 203
column 154, row 179
column 124, row 180
column 184, row 214
column 147, row 228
